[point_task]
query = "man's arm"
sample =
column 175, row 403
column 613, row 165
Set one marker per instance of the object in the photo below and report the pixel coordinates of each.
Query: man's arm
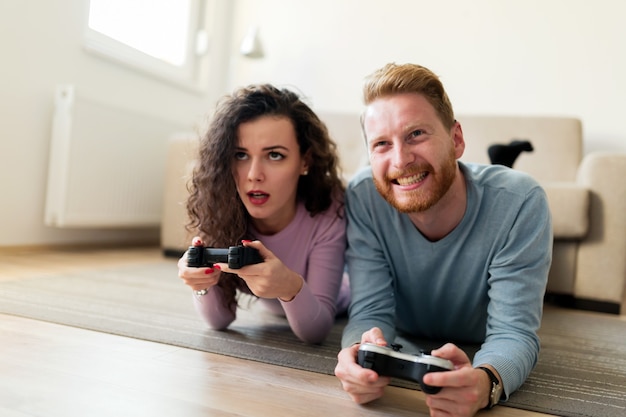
column 372, row 293
column 517, row 281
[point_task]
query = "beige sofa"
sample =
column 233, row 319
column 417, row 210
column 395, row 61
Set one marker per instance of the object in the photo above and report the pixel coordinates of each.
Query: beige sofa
column 586, row 194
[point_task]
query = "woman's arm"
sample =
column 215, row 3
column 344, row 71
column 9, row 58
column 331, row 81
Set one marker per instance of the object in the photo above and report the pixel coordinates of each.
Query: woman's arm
column 212, row 309
column 311, row 314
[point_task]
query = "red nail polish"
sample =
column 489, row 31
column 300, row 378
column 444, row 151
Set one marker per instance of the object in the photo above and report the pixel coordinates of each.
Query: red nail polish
column 208, row 271
column 246, row 241
column 216, row 266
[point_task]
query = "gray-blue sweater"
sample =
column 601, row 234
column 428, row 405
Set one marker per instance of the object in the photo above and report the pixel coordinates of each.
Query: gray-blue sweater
column 482, row 283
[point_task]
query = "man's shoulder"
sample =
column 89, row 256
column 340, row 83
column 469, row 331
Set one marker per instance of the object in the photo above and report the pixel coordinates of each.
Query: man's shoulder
column 362, row 176
column 362, row 195
column 498, row 176
column 361, row 186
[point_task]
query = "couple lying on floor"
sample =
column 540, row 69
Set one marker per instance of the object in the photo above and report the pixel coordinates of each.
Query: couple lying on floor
column 417, row 244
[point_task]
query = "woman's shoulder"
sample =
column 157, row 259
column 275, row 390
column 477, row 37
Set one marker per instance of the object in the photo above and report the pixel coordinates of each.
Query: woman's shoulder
column 331, row 220
column 334, row 211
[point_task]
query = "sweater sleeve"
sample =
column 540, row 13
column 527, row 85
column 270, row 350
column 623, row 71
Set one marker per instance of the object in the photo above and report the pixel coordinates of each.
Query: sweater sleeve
column 311, row 314
column 212, row 309
column 517, row 281
column 371, row 286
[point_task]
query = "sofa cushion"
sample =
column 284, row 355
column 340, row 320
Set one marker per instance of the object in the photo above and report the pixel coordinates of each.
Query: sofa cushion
column 557, row 143
column 569, row 206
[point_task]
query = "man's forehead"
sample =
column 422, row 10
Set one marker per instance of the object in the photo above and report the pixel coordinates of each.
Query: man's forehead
column 404, row 110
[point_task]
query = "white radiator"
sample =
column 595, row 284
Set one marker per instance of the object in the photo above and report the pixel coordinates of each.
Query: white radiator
column 107, row 165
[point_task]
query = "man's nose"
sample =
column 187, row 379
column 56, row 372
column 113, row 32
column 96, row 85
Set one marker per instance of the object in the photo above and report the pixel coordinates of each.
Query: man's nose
column 402, row 155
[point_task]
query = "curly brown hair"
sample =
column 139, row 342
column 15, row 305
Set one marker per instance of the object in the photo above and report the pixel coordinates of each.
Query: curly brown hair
column 216, row 213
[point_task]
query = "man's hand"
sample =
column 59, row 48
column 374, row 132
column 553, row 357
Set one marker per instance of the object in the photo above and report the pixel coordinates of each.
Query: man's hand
column 363, row 385
column 465, row 389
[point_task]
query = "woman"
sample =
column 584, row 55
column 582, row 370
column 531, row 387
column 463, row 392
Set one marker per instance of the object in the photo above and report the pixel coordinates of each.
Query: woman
column 268, row 176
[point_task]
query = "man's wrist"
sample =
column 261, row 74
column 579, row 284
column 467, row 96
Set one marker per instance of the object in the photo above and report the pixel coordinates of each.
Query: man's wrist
column 495, row 390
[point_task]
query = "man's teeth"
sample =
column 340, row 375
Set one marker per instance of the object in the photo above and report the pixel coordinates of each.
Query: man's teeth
column 412, row 179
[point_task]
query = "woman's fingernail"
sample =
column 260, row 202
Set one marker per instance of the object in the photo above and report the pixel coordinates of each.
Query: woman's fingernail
column 216, row 266
column 246, row 241
column 208, row 271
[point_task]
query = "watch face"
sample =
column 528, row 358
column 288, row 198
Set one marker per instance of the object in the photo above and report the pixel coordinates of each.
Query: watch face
column 496, row 394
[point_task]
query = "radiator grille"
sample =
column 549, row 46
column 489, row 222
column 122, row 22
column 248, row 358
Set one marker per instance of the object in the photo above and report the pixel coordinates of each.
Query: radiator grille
column 106, row 165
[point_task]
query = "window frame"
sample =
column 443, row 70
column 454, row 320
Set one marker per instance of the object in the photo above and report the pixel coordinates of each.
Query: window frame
column 188, row 76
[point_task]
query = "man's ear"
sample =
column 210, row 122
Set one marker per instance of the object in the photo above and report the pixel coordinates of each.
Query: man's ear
column 459, row 140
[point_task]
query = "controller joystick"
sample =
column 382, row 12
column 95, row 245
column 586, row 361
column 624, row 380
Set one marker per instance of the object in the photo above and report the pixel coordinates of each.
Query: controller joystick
column 235, row 256
column 389, row 361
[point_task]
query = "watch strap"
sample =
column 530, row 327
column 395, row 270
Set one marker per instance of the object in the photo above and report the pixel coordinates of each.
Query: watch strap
column 494, row 383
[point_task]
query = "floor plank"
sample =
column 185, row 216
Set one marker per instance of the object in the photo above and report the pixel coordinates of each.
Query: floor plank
column 51, row 370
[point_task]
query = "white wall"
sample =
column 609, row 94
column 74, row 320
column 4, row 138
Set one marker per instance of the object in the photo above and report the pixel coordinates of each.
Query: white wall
column 539, row 57
column 41, row 46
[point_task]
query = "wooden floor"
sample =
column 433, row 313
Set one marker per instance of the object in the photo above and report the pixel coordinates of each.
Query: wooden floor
column 49, row 370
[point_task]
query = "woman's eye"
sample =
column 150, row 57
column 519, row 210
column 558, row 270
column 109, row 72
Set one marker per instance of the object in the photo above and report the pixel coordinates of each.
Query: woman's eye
column 275, row 156
column 240, row 156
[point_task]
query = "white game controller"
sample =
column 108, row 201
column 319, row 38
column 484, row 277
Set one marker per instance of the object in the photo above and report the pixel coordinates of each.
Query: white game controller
column 389, row 361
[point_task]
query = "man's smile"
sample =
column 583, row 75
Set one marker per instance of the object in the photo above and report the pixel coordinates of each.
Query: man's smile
column 411, row 179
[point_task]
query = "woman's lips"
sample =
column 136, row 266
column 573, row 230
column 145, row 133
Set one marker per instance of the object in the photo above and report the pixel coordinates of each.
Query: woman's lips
column 258, row 197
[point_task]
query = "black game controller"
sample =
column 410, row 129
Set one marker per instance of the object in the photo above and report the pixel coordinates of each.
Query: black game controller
column 236, row 256
column 389, row 361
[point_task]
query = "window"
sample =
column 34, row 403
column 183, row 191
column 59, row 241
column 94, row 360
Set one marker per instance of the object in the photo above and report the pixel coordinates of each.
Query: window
column 166, row 38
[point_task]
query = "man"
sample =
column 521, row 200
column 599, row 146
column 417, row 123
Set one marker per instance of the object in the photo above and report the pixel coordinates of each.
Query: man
column 440, row 249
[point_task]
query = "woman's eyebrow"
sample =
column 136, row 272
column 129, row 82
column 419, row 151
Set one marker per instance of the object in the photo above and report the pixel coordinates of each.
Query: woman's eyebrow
column 265, row 149
column 275, row 147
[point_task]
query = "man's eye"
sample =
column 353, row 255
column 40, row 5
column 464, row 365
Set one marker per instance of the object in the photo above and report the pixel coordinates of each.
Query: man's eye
column 379, row 144
column 416, row 133
column 275, row 156
column 240, row 156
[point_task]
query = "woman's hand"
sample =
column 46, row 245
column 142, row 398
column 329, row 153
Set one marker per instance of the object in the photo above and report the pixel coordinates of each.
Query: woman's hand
column 197, row 279
column 269, row 279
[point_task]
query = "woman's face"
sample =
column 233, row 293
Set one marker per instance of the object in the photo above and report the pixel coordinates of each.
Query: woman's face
column 266, row 167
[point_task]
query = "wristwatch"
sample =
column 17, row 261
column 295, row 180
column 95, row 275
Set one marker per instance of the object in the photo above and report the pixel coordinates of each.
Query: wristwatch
column 496, row 388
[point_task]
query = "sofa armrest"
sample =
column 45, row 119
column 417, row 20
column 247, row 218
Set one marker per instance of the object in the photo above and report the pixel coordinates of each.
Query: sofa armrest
column 181, row 156
column 601, row 261
column 569, row 206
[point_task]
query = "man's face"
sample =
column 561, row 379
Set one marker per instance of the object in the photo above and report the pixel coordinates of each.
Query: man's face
column 413, row 156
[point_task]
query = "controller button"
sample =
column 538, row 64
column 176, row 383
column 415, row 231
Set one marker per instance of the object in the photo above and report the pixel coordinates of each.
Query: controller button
column 396, row 347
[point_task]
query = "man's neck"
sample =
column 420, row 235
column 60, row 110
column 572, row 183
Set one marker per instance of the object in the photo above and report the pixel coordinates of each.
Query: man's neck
column 441, row 219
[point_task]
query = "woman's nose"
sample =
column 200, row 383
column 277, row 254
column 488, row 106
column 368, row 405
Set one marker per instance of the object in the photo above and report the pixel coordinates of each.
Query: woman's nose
column 255, row 173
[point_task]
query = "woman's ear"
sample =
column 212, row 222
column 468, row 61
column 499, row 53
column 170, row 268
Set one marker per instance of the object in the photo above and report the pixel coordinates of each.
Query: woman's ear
column 306, row 163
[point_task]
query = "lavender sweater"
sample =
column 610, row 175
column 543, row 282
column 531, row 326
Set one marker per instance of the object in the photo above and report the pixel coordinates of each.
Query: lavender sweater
column 314, row 248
